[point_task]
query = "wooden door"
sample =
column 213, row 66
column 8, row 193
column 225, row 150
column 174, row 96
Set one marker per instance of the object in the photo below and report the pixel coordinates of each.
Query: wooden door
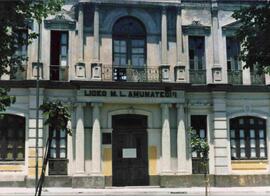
column 130, row 157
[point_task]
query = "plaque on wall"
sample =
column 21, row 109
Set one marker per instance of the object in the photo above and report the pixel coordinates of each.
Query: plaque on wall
column 129, row 153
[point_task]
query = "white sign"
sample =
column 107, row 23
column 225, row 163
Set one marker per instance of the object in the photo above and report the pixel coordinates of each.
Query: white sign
column 129, row 152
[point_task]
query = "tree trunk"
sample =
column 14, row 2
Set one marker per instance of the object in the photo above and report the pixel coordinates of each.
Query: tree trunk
column 44, row 165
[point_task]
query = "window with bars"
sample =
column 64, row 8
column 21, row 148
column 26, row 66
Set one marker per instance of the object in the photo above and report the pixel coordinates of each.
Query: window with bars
column 248, row 138
column 12, row 138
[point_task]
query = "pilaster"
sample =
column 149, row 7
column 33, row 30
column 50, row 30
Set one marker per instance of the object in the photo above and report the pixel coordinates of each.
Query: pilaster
column 79, row 140
column 165, row 139
column 180, row 68
column 221, row 145
column 80, row 27
column 96, row 140
column 181, row 141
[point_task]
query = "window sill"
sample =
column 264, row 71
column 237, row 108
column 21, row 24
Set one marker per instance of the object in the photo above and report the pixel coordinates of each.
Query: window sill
column 250, row 161
column 12, row 162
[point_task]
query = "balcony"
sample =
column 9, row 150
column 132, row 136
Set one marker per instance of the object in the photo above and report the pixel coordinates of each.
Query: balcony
column 58, row 73
column 197, row 76
column 257, row 78
column 130, row 74
column 235, row 77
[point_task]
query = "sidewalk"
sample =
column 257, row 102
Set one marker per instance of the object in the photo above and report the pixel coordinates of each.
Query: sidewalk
column 135, row 190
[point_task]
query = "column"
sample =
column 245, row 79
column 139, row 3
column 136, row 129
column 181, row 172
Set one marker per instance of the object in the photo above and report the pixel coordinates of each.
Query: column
column 96, row 34
column 80, row 33
column 96, row 139
column 165, row 139
column 216, row 69
column 79, row 139
column 180, row 69
column 221, row 140
column 164, row 58
column 181, row 140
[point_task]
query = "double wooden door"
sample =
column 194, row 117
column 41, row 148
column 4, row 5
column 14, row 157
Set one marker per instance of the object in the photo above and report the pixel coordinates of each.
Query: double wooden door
column 130, row 157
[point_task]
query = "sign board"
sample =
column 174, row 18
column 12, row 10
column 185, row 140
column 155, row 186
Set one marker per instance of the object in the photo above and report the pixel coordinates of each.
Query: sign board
column 129, row 153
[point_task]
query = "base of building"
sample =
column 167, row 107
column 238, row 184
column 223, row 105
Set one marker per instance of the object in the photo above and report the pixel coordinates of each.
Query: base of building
column 162, row 181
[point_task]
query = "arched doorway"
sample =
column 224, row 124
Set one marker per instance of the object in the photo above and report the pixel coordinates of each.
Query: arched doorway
column 130, row 154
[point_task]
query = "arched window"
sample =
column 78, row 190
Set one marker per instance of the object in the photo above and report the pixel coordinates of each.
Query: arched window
column 12, row 137
column 129, row 42
column 248, row 138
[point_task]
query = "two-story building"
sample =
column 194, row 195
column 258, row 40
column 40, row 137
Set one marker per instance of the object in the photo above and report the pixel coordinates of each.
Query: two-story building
column 138, row 74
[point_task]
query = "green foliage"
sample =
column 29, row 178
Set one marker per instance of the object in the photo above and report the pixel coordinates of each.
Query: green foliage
column 5, row 99
column 254, row 34
column 15, row 16
column 57, row 115
column 198, row 144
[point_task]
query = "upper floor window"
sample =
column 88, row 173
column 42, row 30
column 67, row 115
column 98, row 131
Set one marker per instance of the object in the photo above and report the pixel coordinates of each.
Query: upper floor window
column 59, row 55
column 12, row 138
column 233, row 50
column 129, row 42
column 18, row 70
column 248, row 138
column 197, row 72
column 196, row 52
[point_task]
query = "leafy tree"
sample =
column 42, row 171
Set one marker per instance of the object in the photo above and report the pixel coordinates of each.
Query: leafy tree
column 201, row 147
column 57, row 116
column 15, row 16
column 254, row 35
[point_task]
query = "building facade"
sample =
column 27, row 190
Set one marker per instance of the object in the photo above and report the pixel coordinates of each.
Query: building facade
column 138, row 74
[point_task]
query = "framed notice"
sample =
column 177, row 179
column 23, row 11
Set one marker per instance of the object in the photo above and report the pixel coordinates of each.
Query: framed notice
column 129, row 153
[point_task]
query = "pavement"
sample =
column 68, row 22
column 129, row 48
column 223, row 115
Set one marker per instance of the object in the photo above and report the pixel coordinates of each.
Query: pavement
column 137, row 191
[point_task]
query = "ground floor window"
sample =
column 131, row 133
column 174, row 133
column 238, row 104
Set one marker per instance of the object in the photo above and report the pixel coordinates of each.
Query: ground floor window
column 248, row 138
column 12, row 137
column 58, row 153
column 199, row 125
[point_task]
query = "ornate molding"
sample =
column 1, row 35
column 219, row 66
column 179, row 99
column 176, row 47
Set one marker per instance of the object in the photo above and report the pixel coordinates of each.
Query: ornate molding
column 61, row 22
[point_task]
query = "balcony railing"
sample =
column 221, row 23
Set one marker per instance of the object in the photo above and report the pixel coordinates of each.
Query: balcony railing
column 256, row 78
column 59, row 73
column 130, row 74
column 235, row 76
column 197, row 76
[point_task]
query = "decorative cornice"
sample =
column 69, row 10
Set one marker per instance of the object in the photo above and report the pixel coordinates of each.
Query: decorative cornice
column 196, row 29
column 61, row 22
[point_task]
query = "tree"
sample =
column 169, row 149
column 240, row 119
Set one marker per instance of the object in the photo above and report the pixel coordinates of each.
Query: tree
column 15, row 16
column 57, row 116
column 253, row 34
column 201, row 147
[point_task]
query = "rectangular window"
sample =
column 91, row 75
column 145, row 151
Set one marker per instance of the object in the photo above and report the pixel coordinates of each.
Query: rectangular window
column 59, row 55
column 18, row 71
column 58, row 148
column 199, row 125
column 233, row 50
column 196, row 52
